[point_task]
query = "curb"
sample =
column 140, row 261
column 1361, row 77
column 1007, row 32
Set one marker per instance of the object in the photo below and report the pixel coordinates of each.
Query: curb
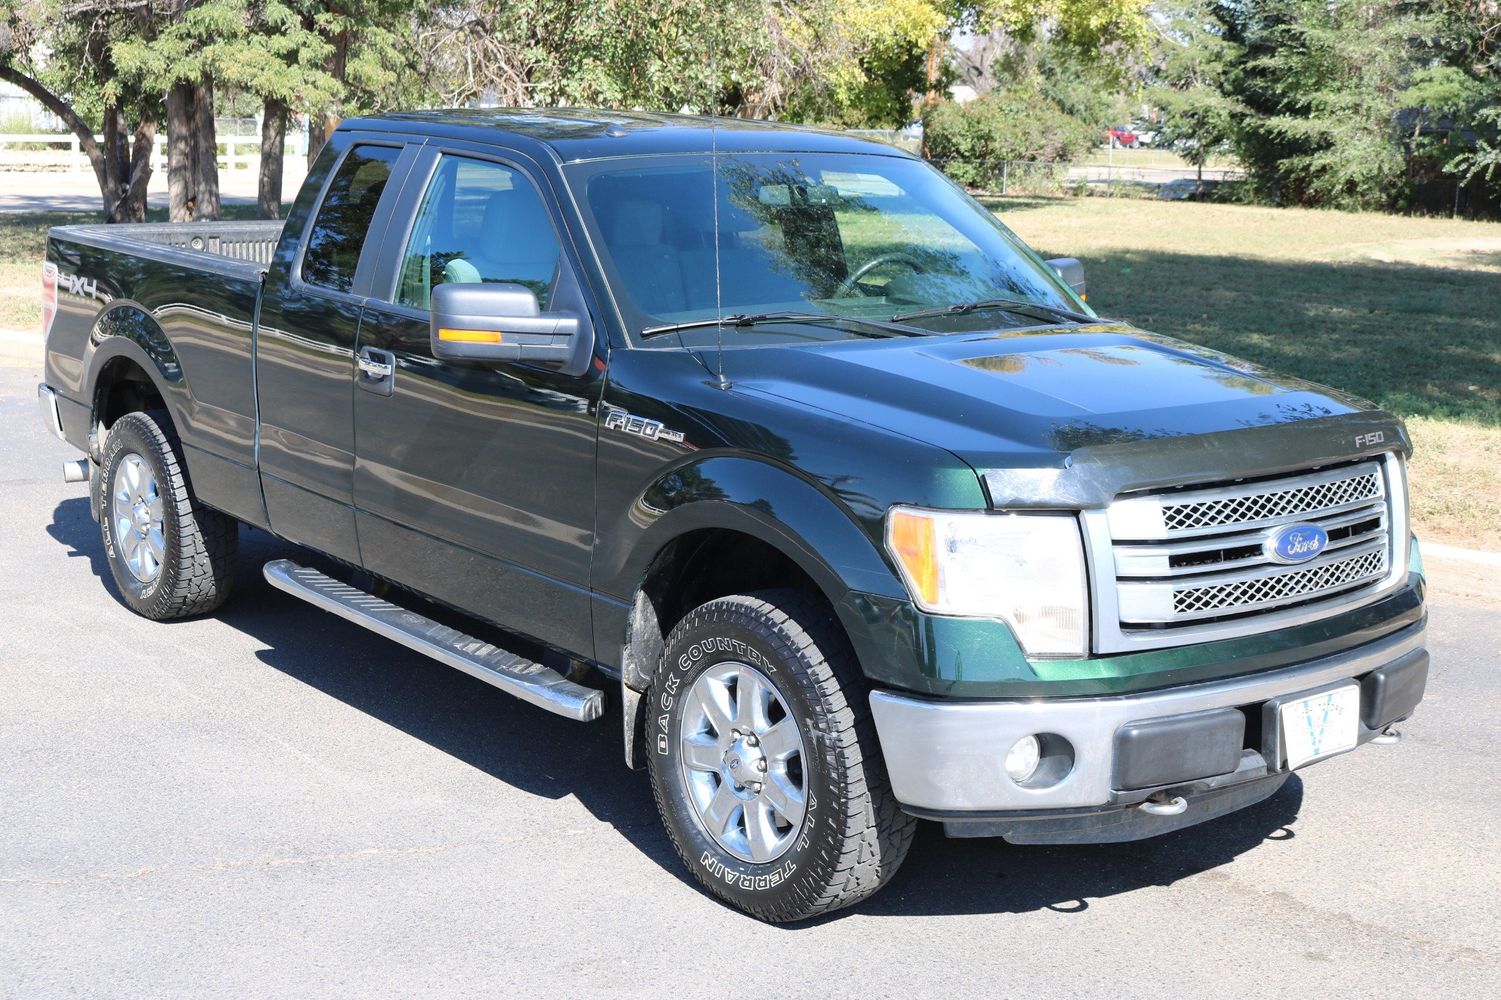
column 1477, row 556
column 21, row 345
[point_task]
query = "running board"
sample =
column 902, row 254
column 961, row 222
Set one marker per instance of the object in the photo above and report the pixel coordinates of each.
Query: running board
column 515, row 675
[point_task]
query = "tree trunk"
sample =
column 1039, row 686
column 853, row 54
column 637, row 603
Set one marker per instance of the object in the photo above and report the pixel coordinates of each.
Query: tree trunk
column 179, row 152
column 126, row 165
column 205, row 154
column 192, row 154
column 133, row 205
column 321, row 124
column 273, row 146
column 106, row 170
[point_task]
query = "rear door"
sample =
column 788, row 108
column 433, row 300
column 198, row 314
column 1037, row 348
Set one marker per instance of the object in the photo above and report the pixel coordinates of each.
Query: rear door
column 474, row 481
column 305, row 339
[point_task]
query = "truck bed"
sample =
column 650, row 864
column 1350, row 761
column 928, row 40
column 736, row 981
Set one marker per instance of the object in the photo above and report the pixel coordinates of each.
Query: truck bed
column 187, row 294
column 208, row 245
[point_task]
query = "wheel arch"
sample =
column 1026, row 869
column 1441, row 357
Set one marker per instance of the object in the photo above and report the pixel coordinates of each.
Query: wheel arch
column 131, row 365
column 727, row 525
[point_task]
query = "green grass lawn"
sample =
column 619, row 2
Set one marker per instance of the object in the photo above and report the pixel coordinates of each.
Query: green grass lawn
column 23, row 242
column 1403, row 311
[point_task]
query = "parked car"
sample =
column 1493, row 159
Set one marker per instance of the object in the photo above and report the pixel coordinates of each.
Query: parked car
column 1123, row 136
column 854, row 509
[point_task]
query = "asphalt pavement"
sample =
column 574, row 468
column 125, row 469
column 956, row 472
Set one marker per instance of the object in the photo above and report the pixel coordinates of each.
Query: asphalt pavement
column 273, row 802
column 24, row 191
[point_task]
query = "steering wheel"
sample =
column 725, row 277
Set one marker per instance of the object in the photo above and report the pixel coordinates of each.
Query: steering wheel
column 848, row 285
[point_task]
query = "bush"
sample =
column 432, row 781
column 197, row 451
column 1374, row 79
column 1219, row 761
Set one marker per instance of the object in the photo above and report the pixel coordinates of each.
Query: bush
column 971, row 141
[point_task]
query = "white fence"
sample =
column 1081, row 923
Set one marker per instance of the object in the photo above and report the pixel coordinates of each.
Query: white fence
column 62, row 152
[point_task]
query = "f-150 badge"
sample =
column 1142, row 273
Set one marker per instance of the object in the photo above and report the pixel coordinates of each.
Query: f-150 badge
column 617, row 419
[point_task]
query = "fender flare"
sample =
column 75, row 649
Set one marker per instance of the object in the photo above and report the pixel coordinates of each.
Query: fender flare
column 128, row 330
column 756, row 498
column 746, row 495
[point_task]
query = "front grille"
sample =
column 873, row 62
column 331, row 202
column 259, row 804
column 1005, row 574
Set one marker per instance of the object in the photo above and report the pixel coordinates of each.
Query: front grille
column 1189, row 558
column 1259, row 591
column 1274, row 503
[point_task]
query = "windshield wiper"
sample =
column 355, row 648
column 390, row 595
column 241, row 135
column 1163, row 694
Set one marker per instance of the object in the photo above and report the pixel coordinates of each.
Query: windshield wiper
column 1021, row 306
column 889, row 327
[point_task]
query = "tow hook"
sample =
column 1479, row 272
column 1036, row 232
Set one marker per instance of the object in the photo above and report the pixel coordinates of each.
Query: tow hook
column 1391, row 737
column 1170, row 807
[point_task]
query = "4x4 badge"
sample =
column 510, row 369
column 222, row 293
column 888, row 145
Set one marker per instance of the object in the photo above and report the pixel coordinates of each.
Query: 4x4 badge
column 617, row 419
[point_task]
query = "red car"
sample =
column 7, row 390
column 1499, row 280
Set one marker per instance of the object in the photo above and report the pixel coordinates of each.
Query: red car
column 1123, row 135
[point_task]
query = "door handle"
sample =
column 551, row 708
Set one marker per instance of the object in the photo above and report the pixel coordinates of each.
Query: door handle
column 377, row 370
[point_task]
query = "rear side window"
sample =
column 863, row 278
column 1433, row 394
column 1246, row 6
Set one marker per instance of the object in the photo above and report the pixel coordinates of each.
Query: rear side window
column 338, row 233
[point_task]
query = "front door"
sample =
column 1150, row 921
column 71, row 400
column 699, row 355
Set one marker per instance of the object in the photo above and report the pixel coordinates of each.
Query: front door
column 474, row 481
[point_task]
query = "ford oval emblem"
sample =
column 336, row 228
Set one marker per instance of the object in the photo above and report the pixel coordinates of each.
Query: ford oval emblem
column 1295, row 543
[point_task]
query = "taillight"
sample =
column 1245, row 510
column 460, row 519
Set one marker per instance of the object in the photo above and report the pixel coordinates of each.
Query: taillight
column 49, row 296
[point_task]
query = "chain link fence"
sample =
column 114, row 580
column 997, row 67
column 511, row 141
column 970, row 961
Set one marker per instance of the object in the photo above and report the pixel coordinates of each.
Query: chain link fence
column 1063, row 178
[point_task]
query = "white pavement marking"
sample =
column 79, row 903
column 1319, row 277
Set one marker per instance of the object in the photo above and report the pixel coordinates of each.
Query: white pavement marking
column 1479, row 556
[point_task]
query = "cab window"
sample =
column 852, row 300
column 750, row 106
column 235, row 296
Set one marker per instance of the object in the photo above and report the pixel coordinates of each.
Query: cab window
column 338, row 233
column 479, row 221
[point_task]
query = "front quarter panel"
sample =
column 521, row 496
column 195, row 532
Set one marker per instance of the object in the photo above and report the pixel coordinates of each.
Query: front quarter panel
column 812, row 485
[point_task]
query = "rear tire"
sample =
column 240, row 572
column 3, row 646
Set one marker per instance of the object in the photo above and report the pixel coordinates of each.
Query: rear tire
column 171, row 556
column 730, row 777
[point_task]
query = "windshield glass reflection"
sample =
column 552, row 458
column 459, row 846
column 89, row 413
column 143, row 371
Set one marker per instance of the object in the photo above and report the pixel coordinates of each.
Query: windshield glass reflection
column 859, row 236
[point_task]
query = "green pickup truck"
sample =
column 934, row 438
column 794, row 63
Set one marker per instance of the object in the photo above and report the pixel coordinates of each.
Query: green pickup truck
column 774, row 447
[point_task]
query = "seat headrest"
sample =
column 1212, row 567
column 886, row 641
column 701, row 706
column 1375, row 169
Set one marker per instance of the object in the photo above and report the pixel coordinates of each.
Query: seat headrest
column 514, row 217
column 636, row 222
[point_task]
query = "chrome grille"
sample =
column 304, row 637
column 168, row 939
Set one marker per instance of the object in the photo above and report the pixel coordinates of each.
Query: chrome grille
column 1258, row 591
column 1185, row 563
column 1235, row 510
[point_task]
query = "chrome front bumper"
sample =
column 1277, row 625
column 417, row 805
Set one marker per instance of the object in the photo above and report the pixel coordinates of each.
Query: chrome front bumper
column 946, row 758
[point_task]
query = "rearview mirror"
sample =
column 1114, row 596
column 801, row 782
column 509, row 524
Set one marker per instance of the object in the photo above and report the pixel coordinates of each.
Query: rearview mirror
column 1071, row 270
column 499, row 322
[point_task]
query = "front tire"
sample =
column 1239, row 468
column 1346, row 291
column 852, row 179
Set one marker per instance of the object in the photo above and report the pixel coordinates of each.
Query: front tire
column 171, row 556
column 764, row 761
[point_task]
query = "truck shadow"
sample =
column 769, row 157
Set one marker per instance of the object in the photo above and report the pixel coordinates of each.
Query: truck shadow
column 547, row 756
column 952, row 877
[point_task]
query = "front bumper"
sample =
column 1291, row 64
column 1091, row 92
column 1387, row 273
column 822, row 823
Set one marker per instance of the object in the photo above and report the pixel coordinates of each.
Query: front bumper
column 946, row 758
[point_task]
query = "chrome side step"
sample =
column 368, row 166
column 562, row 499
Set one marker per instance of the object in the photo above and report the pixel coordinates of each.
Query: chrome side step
column 515, row 675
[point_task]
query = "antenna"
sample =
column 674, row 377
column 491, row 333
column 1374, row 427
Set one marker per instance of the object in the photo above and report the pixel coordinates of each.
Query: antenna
column 719, row 379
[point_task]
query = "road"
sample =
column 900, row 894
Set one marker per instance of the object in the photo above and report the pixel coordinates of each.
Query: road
column 272, row 802
column 78, row 191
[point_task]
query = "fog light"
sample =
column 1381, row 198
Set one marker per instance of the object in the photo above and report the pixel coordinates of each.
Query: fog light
column 1022, row 759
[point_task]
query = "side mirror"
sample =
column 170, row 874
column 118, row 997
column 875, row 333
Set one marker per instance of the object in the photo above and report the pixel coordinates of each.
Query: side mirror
column 499, row 322
column 1071, row 270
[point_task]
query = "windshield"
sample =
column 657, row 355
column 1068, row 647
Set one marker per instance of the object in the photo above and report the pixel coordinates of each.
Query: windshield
column 860, row 236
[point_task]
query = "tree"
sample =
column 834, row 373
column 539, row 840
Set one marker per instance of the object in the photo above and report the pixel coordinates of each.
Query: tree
column 279, row 58
column 973, row 141
column 66, row 63
column 370, row 59
column 1188, row 76
column 1322, row 85
column 177, row 60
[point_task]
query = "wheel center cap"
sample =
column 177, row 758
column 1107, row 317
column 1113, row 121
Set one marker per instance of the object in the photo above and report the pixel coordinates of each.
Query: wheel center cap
column 744, row 764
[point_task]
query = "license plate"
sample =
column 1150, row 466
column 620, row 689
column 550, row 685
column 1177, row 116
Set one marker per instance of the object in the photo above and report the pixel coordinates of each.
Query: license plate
column 1321, row 725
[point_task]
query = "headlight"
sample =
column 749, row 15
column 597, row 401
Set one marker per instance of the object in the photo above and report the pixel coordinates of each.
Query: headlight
column 1026, row 569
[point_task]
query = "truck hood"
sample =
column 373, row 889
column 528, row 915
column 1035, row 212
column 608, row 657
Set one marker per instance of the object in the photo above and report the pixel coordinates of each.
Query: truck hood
column 1070, row 402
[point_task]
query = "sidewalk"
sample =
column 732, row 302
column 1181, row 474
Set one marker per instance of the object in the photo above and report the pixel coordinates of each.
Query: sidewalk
column 20, row 348
column 66, row 191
